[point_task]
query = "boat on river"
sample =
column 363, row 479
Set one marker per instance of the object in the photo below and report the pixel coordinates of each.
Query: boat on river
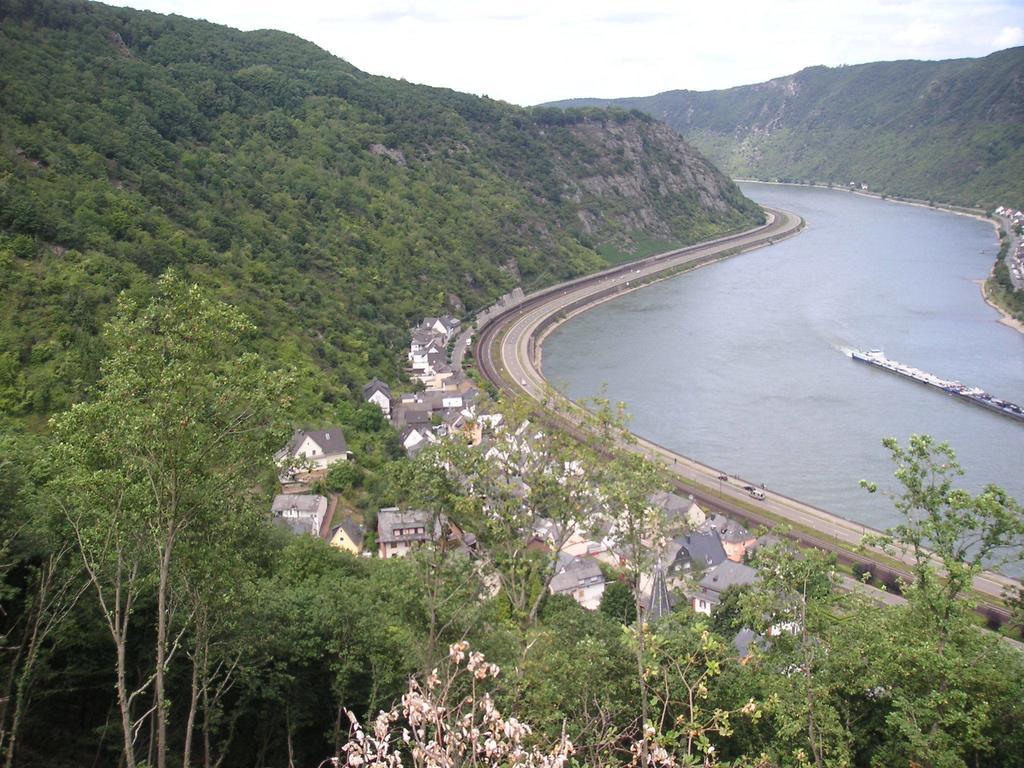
column 974, row 395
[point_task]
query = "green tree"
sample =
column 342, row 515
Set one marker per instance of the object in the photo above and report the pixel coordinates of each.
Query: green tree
column 343, row 476
column 794, row 603
column 640, row 530
column 429, row 484
column 685, row 664
column 617, row 602
column 178, row 433
column 948, row 536
column 39, row 584
column 727, row 617
column 533, row 478
column 575, row 676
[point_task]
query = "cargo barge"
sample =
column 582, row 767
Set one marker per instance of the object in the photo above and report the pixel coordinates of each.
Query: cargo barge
column 955, row 388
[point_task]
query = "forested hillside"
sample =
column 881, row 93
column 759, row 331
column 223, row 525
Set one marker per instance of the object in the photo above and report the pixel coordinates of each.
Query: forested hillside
column 207, row 237
column 333, row 206
column 949, row 131
column 151, row 616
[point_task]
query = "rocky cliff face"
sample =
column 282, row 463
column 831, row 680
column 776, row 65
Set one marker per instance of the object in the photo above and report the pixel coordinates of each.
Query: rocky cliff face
column 630, row 181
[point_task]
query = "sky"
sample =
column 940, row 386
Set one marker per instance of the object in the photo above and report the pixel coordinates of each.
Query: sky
column 532, row 51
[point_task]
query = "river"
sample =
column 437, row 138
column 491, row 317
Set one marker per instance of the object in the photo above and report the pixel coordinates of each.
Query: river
column 738, row 364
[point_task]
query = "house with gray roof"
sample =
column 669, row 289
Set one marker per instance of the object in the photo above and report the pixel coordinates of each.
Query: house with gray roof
column 736, row 540
column 672, row 504
column 425, row 344
column 301, row 513
column 445, row 325
column 347, row 535
column 413, row 415
column 680, row 512
column 399, row 531
column 422, row 338
column 378, row 393
column 312, row 451
column 695, row 551
column 415, row 438
column 717, row 580
column 580, row 578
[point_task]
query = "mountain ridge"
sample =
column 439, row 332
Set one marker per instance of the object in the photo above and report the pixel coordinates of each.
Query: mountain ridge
column 948, row 130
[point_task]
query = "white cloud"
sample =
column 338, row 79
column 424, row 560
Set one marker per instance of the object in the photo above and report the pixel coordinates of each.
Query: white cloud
column 1008, row 37
column 539, row 50
column 919, row 34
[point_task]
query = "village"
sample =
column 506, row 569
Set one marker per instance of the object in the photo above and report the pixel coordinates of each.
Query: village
column 702, row 556
column 1012, row 221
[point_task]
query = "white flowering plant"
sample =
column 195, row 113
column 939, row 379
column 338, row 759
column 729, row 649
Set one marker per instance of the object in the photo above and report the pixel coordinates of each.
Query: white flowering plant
column 448, row 721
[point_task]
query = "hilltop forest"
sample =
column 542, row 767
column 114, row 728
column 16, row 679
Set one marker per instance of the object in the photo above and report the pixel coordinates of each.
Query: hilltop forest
column 946, row 131
column 335, row 207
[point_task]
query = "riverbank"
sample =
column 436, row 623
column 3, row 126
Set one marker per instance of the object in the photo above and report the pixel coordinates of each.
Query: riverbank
column 960, row 210
column 1004, row 316
column 563, row 317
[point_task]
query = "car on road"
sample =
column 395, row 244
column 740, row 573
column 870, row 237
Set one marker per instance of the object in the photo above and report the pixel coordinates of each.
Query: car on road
column 748, row 488
column 756, row 493
column 723, row 478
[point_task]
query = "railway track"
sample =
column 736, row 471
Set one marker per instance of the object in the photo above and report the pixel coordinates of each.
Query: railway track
column 507, row 353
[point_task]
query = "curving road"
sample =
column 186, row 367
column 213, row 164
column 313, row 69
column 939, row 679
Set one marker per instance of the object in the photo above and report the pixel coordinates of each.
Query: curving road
column 508, row 353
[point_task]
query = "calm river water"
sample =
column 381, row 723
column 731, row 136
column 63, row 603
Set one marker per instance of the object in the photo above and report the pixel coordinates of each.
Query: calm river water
column 738, row 364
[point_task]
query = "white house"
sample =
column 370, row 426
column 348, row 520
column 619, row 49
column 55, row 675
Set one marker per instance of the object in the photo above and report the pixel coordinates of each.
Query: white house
column 418, row 360
column 312, row 450
column 415, row 438
column 581, row 579
column 702, row 603
column 421, row 338
column 491, row 420
column 716, row 581
column 378, row 393
column 446, row 325
column 436, row 374
column 425, row 349
column 451, row 401
column 300, row 513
